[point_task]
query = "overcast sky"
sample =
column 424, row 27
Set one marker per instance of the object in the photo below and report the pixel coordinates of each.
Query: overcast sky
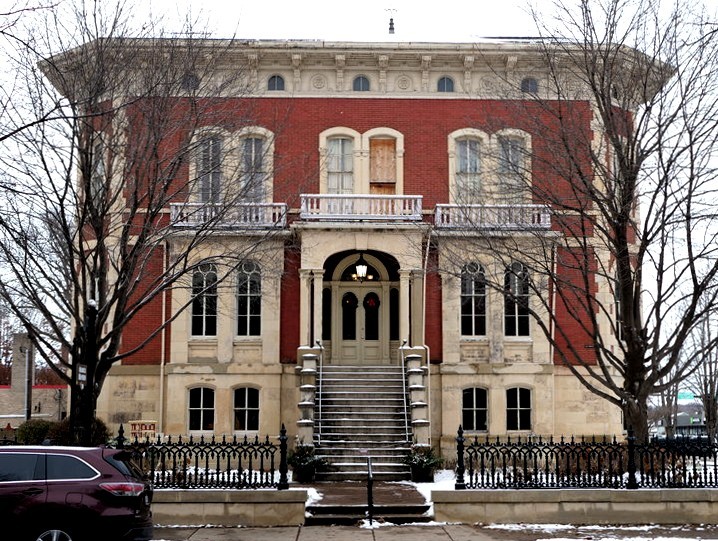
column 414, row 20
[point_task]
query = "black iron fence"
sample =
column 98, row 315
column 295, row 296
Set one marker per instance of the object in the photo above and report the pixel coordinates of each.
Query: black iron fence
column 239, row 463
column 535, row 462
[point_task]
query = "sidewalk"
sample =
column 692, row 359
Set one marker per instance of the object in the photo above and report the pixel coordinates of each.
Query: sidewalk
column 440, row 532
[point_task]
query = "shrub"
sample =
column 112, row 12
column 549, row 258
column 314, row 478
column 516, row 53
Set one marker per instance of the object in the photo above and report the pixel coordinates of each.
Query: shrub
column 33, row 432
column 60, row 433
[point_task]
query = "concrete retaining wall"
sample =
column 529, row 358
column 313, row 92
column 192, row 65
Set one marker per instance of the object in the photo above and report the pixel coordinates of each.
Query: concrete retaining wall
column 585, row 506
column 229, row 507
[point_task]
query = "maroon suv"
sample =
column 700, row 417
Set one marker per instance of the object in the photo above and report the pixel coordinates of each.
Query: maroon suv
column 73, row 493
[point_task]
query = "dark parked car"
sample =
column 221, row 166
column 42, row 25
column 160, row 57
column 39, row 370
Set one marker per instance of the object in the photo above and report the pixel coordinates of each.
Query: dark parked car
column 73, row 493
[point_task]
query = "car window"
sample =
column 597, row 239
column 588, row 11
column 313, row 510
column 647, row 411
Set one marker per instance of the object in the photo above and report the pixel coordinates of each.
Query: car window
column 18, row 467
column 124, row 463
column 68, row 467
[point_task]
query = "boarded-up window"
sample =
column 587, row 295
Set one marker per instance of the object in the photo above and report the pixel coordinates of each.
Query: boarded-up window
column 382, row 160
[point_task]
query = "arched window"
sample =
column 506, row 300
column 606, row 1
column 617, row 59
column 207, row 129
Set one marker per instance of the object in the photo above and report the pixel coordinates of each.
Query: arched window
column 340, row 165
column 473, row 300
column 204, row 301
column 475, row 409
column 445, row 84
column 249, row 300
column 209, row 168
column 516, row 300
column 361, row 84
column 253, row 168
column 275, row 82
column 518, row 408
column 201, row 408
column 529, row 85
column 246, row 409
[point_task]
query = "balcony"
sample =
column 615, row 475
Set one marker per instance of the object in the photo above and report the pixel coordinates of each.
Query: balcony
column 238, row 216
column 493, row 217
column 379, row 208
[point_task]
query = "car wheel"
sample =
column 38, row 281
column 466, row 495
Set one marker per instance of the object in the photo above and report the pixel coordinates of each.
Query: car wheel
column 54, row 535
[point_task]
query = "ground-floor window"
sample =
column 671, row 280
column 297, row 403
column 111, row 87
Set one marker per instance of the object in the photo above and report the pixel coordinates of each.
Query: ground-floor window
column 475, row 409
column 518, row 408
column 201, row 408
column 246, row 409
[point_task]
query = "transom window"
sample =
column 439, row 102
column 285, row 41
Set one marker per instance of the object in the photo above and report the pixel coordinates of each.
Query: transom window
column 340, row 165
column 516, row 300
column 473, row 300
column 249, row 300
column 204, row 301
column 275, row 82
column 253, row 174
column 209, row 169
column 246, row 409
column 475, row 409
column 445, row 84
column 201, row 408
column 361, row 84
column 518, row 408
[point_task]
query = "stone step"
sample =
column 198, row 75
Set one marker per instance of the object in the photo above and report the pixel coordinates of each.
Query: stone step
column 362, row 476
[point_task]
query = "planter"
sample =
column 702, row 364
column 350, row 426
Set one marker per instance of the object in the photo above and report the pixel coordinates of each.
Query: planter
column 420, row 474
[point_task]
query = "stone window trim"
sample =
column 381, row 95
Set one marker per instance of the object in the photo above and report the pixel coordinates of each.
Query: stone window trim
column 474, row 301
column 361, row 165
column 251, row 391
column 204, row 306
column 489, row 155
column 519, row 408
column 268, row 137
column 248, row 325
column 517, row 305
column 469, row 411
column 230, row 162
column 202, row 412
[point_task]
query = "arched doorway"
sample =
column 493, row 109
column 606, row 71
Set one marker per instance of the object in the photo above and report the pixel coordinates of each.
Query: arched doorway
column 360, row 314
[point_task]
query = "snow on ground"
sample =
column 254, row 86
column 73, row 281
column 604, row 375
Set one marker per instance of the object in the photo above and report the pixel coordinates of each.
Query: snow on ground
column 653, row 532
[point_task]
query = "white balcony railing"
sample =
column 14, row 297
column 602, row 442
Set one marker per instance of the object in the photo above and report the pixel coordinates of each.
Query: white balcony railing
column 360, row 207
column 502, row 217
column 237, row 216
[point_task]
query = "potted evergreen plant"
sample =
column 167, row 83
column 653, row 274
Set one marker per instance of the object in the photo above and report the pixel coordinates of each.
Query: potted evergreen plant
column 304, row 463
column 423, row 462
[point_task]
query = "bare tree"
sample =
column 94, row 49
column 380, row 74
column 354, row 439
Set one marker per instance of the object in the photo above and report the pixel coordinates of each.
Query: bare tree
column 703, row 383
column 88, row 244
column 623, row 124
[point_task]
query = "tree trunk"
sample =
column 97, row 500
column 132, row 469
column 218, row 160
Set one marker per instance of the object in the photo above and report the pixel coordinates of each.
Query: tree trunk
column 636, row 417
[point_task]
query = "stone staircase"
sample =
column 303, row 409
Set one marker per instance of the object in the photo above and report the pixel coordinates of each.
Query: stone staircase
column 360, row 413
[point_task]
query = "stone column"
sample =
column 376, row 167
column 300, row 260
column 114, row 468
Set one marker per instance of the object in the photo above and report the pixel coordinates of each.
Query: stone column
column 318, row 277
column 305, row 280
column 404, row 315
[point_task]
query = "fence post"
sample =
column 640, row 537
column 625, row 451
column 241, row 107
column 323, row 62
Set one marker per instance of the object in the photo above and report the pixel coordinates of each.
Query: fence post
column 283, row 481
column 121, row 438
column 460, row 483
column 632, row 483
